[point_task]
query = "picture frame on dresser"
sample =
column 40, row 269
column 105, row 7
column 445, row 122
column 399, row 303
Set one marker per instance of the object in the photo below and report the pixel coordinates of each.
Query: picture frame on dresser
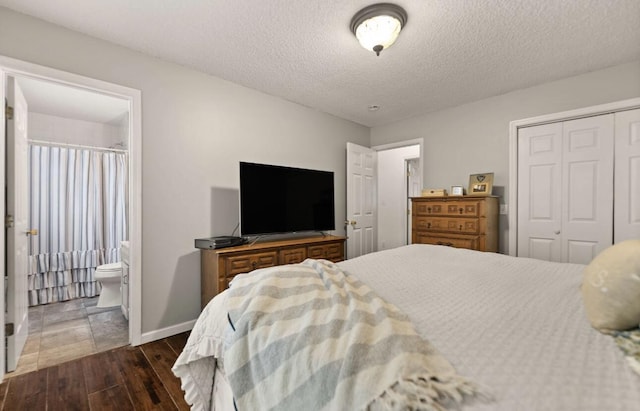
column 480, row 184
column 457, row 190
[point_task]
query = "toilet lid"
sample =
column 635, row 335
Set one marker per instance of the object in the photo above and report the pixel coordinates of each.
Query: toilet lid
column 109, row 267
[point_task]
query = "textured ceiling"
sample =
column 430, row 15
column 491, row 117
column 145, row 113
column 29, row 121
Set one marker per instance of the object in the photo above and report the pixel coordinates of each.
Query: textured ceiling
column 450, row 52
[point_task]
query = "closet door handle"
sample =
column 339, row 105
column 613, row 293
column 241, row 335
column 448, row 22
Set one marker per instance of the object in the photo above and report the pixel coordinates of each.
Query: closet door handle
column 33, row 231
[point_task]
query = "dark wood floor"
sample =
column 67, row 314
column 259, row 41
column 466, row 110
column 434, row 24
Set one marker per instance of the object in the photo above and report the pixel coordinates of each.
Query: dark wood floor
column 127, row 378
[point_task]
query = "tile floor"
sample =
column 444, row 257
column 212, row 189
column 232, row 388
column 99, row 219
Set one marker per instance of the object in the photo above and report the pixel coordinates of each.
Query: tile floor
column 62, row 332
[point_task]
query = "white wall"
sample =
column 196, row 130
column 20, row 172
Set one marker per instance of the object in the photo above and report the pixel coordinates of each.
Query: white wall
column 71, row 131
column 195, row 130
column 392, row 195
column 474, row 138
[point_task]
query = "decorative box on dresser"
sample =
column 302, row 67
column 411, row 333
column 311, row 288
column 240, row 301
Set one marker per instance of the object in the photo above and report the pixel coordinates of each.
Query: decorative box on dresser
column 219, row 266
column 463, row 222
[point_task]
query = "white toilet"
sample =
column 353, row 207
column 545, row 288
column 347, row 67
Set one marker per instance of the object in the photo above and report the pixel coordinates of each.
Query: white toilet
column 109, row 276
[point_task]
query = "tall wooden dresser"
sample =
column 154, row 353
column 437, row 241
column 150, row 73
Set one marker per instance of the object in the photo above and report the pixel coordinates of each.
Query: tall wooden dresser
column 464, row 222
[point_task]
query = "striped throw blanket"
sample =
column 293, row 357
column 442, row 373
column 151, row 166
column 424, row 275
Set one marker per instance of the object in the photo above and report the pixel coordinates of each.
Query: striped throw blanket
column 311, row 337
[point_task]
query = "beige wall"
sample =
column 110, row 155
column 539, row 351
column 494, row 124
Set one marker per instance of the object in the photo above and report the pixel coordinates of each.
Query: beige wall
column 195, row 130
column 474, row 137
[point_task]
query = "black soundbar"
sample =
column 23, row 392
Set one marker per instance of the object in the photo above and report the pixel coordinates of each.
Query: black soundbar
column 218, row 242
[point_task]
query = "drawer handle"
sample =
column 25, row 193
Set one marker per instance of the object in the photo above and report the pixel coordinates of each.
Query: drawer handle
column 460, row 226
column 443, row 243
column 428, row 225
column 254, row 264
column 428, row 209
column 461, row 210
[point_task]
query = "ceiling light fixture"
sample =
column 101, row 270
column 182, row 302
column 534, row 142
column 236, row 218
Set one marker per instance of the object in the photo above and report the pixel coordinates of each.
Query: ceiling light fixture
column 377, row 26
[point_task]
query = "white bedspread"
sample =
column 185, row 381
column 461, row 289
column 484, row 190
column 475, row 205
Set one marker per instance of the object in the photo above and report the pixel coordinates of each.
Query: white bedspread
column 515, row 326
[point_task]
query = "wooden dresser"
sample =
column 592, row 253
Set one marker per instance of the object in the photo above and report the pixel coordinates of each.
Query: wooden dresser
column 219, row 266
column 463, row 222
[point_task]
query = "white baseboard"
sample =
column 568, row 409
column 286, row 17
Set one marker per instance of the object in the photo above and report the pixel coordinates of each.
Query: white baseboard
column 166, row 332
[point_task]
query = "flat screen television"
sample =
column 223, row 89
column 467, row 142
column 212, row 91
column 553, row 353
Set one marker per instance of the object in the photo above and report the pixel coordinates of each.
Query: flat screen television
column 276, row 199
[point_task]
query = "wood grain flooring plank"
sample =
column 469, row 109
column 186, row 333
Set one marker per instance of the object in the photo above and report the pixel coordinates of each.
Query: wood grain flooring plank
column 3, row 392
column 128, row 378
column 27, row 392
column 144, row 387
column 112, row 399
column 101, row 371
column 66, row 388
column 162, row 357
column 178, row 341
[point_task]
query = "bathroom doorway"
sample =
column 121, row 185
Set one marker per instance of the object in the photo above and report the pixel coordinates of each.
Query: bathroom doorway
column 88, row 123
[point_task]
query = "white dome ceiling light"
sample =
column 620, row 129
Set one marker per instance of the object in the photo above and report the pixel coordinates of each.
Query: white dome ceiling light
column 377, row 26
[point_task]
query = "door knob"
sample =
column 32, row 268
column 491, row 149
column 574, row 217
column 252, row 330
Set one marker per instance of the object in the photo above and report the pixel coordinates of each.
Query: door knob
column 350, row 222
column 33, row 231
column 556, row 232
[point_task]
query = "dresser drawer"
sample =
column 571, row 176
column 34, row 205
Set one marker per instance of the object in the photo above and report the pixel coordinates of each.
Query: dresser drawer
column 470, row 242
column 468, row 208
column 244, row 263
column 293, row 255
column 452, row 225
column 333, row 252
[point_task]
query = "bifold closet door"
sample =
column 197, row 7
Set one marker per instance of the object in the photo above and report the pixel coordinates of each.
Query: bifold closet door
column 587, row 187
column 539, row 192
column 565, row 189
column 627, row 176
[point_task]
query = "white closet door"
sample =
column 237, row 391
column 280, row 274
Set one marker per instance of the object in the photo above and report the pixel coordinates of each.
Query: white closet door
column 587, row 187
column 627, row 176
column 539, row 192
column 565, row 189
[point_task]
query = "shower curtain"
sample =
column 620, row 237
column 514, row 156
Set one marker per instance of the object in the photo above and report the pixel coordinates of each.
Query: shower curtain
column 78, row 205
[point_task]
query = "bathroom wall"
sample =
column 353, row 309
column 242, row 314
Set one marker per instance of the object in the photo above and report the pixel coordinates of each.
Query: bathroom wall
column 71, row 131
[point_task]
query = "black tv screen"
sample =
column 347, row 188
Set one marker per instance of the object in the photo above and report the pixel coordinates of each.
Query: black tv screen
column 277, row 199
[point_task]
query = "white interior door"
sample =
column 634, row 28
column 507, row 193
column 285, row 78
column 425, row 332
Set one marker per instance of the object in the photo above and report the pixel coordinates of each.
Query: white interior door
column 587, row 187
column 627, row 176
column 361, row 200
column 539, row 192
column 17, row 232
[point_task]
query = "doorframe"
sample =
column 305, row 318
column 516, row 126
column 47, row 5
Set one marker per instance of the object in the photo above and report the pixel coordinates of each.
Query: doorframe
column 407, row 217
column 515, row 125
column 19, row 68
column 399, row 144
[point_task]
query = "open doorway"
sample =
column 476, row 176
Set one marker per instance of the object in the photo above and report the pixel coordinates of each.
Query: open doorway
column 399, row 176
column 94, row 126
column 77, row 177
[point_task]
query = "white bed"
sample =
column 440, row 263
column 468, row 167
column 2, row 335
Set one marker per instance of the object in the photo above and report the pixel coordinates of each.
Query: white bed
column 515, row 326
